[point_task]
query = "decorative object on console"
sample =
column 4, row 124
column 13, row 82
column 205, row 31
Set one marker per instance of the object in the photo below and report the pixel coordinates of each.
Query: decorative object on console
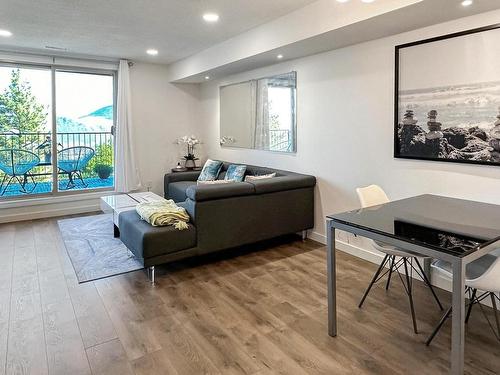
column 251, row 178
column 190, row 142
column 179, row 168
column 235, row 173
column 458, row 90
column 210, row 170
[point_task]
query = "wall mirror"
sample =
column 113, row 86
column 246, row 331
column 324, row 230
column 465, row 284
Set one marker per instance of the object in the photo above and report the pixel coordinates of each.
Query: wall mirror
column 260, row 114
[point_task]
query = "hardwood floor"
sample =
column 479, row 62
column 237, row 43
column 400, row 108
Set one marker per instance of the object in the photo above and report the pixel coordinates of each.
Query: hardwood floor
column 241, row 312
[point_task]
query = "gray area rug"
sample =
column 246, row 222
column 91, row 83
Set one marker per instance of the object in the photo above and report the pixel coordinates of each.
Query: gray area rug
column 93, row 250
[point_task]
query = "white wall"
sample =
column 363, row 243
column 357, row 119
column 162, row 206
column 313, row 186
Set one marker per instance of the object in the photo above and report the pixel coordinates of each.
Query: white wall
column 162, row 112
column 345, row 129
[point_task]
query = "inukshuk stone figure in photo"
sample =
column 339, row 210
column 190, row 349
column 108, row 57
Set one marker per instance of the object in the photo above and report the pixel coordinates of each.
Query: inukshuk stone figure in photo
column 408, row 118
column 434, row 126
column 411, row 135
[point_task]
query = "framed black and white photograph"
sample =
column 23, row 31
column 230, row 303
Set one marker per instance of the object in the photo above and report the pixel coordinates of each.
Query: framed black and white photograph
column 447, row 98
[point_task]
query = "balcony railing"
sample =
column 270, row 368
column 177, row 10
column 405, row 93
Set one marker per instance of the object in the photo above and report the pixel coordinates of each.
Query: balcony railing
column 40, row 143
column 280, row 140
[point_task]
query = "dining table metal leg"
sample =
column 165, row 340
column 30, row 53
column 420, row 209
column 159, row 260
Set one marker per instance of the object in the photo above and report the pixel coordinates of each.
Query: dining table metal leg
column 332, row 287
column 458, row 318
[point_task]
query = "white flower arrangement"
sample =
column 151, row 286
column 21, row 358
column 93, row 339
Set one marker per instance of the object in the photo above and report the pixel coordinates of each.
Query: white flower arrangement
column 190, row 142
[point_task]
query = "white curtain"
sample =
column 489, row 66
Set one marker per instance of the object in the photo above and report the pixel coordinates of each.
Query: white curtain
column 261, row 138
column 126, row 174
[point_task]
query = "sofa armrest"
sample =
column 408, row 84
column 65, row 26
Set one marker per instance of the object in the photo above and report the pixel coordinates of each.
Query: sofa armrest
column 281, row 183
column 179, row 176
column 209, row 192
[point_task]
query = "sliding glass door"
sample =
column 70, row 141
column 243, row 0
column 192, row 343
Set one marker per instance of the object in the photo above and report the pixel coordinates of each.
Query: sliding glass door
column 55, row 130
column 85, row 118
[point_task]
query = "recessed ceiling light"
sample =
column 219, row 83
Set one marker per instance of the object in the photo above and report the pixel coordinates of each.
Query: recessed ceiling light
column 152, row 52
column 279, row 57
column 466, row 3
column 211, row 17
column 367, row 1
column 5, row 33
column 207, row 77
column 342, row 1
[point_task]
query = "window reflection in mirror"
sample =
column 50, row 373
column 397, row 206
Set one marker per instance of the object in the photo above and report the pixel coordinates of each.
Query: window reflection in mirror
column 260, row 114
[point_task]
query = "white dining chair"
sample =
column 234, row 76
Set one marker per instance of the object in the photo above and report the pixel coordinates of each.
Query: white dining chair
column 374, row 195
column 481, row 275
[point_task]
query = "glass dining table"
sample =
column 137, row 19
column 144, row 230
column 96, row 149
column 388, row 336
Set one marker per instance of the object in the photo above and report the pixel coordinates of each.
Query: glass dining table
column 454, row 230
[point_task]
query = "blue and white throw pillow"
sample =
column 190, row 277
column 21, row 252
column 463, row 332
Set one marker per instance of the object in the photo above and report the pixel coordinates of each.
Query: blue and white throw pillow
column 235, row 173
column 210, row 170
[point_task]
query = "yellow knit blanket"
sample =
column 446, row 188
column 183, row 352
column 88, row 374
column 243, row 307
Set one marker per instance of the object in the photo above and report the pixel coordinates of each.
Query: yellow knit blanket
column 162, row 213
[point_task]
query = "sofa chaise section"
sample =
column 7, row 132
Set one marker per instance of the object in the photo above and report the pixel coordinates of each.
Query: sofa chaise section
column 223, row 216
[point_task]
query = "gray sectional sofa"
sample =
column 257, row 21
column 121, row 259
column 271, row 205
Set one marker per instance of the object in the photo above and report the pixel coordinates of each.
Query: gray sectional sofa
column 223, row 216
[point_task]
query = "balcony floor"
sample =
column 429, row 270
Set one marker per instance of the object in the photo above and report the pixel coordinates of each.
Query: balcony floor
column 46, row 187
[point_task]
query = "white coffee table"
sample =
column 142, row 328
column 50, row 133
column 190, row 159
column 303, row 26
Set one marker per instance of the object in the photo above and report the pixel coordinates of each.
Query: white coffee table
column 115, row 204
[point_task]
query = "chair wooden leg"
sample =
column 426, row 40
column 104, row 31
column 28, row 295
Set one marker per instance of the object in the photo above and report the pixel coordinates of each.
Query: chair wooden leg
column 410, row 296
column 373, row 280
column 471, row 303
column 393, row 258
column 438, row 327
column 428, row 283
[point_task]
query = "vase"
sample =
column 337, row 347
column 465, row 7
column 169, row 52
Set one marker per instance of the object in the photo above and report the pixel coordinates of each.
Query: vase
column 189, row 164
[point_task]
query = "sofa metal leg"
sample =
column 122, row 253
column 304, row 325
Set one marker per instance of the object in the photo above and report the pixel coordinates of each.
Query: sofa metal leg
column 151, row 272
column 304, row 235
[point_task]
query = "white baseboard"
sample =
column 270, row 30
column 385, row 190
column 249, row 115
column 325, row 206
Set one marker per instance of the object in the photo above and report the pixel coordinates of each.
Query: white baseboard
column 48, row 212
column 370, row 256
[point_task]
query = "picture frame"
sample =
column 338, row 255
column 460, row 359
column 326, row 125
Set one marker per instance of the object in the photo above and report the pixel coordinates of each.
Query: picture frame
column 447, row 98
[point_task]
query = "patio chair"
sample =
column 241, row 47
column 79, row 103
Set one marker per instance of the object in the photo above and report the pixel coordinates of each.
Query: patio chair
column 16, row 165
column 73, row 161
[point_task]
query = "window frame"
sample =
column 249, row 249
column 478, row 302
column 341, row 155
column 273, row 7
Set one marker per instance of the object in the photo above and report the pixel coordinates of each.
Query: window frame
column 54, row 68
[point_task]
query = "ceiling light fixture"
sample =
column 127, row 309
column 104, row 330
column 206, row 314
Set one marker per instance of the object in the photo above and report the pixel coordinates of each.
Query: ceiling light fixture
column 211, row 17
column 279, row 57
column 466, row 3
column 367, row 1
column 152, row 52
column 342, row 1
column 5, row 33
column 207, row 77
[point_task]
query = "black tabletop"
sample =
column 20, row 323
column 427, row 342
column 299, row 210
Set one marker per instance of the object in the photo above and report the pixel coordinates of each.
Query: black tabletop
column 451, row 225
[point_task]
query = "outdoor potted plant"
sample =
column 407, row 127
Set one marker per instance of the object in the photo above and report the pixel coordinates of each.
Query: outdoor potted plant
column 103, row 171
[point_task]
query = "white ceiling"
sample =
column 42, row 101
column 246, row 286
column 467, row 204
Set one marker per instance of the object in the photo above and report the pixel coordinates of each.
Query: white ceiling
column 126, row 28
